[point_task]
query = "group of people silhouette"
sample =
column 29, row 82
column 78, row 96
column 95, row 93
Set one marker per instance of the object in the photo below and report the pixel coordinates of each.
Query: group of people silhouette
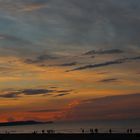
column 97, row 131
column 47, row 131
column 129, row 131
column 91, row 130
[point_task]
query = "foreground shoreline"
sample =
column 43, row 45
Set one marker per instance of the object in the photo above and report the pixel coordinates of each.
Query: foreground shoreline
column 100, row 136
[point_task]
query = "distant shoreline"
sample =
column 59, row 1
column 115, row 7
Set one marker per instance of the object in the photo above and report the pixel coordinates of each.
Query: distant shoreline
column 19, row 123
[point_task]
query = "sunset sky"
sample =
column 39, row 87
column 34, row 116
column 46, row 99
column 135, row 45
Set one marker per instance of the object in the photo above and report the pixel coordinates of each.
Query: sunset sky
column 69, row 60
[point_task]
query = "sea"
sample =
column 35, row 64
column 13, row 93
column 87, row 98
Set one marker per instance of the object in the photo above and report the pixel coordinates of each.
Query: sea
column 76, row 127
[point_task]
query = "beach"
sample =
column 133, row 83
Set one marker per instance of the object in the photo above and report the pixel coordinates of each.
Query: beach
column 102, row 136
column 75, row 127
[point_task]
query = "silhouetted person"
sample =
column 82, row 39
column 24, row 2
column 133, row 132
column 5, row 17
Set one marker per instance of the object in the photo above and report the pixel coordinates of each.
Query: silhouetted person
column 83, row 131
column 96, row 130
column 43, row 131
column 130, row 130
column 91, row 130
column 35, row 132
column 110, row 131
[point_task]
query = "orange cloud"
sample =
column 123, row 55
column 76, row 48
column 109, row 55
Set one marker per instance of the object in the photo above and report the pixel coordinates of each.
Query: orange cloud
column 84, row 85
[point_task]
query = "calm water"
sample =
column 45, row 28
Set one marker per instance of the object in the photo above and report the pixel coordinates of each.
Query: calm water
column 75, row 127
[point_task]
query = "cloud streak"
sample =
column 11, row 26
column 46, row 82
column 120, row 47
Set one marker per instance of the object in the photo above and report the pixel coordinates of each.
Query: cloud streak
column 40, row 59
column 33, row 92
column 104, row 64
column 115, row 62
column 28, row 92
column 45, row 111
column 109, row 80
column 99, row 52
column 62, row 94
column 67, row 64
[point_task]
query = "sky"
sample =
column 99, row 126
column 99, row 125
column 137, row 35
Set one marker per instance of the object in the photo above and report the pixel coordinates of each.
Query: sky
column 69, row 60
